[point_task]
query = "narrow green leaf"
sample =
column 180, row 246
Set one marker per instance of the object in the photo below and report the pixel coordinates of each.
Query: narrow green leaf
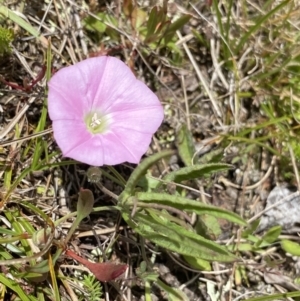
column 21, row 176
column 258, row 24
column 224, row 32
column 7, row 177
column 54, row 280
column 37, row 211
column 219, row 15
column 177, row 239
column 208, row 226
column 152, row 22
column 240, row 247
column 272, row 234
column 290, row 247
column 271, row 121
column 228, row 24
column 48, row 64
column 141, row 170
column 174, row 294
column 198, row 263
column 93, row 24
column 38, row 269
column 251, row 229
column 171, row 29
column 42, row 267
column 195, row 172
column 156, row 22
column 15, row 287
column 138, row 18
column 188, row 206
column 211, row 157
column 35, row 277
column 148, row 183
column 6, row 12
column 13, row 217
column 276, row 296
column 258, row 242
column 185, row 145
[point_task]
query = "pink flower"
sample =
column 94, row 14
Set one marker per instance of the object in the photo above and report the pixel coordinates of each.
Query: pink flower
column 101, row 113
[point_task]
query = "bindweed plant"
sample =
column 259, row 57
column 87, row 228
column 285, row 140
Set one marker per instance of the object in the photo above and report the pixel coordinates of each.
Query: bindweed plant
column 245, row 56
column 164, row 219
column 157, row 216
column 99, row 123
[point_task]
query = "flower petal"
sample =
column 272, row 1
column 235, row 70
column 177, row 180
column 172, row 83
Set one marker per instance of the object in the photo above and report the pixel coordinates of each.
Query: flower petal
column 120, row 90
column 124, row 145
column 97, row 150
column 72, row 89
column 70, row 135
column 144, row 120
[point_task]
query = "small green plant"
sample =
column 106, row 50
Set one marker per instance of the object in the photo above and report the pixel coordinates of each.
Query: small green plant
column 6, row 37
column 155, row 29
column 92, row 288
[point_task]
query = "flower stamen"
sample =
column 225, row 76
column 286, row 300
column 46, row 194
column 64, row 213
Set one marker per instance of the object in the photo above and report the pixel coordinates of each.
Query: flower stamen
column 95, row 121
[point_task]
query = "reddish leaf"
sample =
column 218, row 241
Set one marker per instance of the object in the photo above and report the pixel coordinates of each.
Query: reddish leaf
column 103, row 271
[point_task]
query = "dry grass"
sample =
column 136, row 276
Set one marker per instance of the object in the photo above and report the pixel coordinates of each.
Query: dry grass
column 231, row 74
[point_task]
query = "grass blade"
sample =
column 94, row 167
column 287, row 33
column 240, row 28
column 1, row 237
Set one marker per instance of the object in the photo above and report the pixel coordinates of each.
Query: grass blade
column 258, row 24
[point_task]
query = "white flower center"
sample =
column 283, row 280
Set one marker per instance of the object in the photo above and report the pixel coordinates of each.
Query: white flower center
column 95, row 121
